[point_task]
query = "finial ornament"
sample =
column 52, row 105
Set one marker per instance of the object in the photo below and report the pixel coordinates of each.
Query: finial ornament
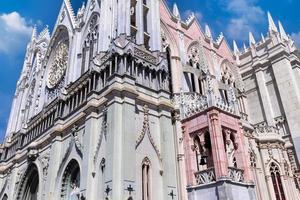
column 235, row 48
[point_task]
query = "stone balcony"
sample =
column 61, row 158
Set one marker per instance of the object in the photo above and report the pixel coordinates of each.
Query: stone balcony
column 208, row 176
column 191, row 103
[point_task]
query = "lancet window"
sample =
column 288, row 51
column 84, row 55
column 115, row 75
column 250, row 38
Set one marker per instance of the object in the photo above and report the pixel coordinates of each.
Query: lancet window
column 90, row 43
column 276, row 181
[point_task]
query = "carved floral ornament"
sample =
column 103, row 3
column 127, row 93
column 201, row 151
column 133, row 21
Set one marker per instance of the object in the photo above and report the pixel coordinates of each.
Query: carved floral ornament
column 58, row 65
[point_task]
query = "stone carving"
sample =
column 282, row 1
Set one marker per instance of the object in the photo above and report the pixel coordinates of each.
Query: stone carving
column 263, row 128
column 146, row 130
column 44, row 160
column 205, row 176
column 164, row 41
column 93, row 4
column 77, row 141
column 62, row 16
column 237, row 175
column 58, row 66
column 102, row 134
column 145, row 56
column 189, row 103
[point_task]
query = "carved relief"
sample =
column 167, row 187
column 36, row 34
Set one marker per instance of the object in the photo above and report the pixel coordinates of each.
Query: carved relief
column 146, row 130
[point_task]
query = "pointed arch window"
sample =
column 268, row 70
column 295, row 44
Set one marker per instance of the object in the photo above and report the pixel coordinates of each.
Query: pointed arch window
column 276, row 181
column 5, row 197
column 146, row 179
column 90, row 43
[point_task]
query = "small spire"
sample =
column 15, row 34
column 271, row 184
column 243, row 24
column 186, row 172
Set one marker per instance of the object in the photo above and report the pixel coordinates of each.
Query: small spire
column 34, row 33
column 245, row 48
column 208, row 31
column 176, row 11
column 283, row 34
column 272, row 26
column 251, row 39
column 235, row 48
column 263, row 37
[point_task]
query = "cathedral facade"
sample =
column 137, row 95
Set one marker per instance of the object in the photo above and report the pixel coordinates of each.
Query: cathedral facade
column 125, row 100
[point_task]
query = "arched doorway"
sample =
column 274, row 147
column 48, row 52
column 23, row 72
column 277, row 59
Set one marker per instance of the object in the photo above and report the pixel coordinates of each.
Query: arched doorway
column 71, row 181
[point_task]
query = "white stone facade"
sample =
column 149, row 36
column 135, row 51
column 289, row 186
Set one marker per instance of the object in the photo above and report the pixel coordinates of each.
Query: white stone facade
column 102, row 105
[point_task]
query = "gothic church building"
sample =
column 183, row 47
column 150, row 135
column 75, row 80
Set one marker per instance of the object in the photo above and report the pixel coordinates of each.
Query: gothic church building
column 125, row 100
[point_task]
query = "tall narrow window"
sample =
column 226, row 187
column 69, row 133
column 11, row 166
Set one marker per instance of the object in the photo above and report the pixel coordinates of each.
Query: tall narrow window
column 146, row 180
column 169, row 69
column 145, row 22
column 276, row 181
column 133, row 27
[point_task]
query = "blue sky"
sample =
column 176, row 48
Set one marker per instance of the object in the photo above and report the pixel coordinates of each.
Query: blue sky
column 235, row 18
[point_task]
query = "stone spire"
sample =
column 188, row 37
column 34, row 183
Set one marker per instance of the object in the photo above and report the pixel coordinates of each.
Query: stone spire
column 245, row 48
column 283, row 34
column 263, row 37
column 235, row 48
column 272, row 26
column 176, row 11
column 34, row 33
column 45, row 33
column 208, row 31
column 251, row 39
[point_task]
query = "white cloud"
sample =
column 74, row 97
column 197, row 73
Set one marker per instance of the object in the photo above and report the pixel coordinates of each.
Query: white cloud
column 15, row 32
column 296, row 37
column 246, row 15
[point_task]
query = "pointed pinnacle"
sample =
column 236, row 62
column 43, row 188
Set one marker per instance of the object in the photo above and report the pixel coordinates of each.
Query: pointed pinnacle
column 245, row 48
column 283, row 34
column 34, row 33
column 272, row 26
column 235, row 48
column 208, row 31
column 263, row 38
column 176, row 11
column 251, row 39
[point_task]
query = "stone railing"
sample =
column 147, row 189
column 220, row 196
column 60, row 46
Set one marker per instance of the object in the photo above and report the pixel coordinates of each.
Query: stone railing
column 191, row 103
column 205, row 176
column 236, row 175
column 263, row 128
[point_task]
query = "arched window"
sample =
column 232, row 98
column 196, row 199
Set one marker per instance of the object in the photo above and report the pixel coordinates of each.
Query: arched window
column 71, row 181
column 31, row 182
column 276, row 181
column 146, row 179
column 230, row 147
column 145, row 22
column 133, row 19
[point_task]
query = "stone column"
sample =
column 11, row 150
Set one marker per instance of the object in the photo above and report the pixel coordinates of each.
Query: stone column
column 89, row 145
column 265, row 98
column 218, row 149
column 180, row 158
column 190, row 158
column 176, row 73
column 242, row 154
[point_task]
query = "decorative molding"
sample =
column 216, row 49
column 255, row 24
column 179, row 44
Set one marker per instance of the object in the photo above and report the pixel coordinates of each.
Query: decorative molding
column 146, row 130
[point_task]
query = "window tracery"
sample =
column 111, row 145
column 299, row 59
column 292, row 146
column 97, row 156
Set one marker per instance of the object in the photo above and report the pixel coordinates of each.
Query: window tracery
column 276, row 181
column 90, row 43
